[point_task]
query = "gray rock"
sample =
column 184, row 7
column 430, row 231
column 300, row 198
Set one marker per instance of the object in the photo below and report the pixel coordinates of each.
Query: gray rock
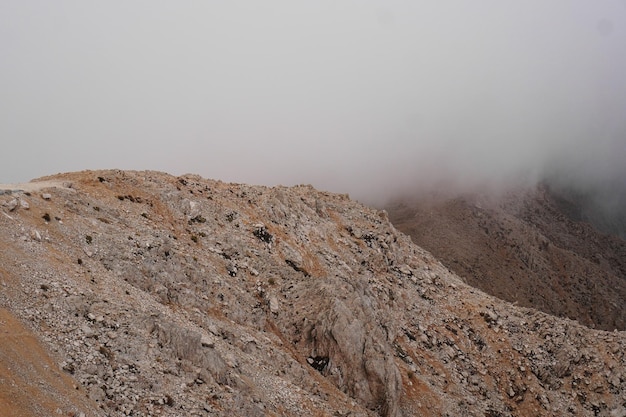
column 97, row 394
column 12, row 204
column 35, row 235
column 406, row 270
column 87, row 330
column 292, row 256
column 274, row 305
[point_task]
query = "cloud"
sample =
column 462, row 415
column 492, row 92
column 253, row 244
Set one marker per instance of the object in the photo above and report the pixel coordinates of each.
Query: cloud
column 360, row 97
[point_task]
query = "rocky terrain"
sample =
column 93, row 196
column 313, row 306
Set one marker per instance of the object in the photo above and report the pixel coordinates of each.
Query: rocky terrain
column 140, row 293
column 601, row 204
column 528, row 246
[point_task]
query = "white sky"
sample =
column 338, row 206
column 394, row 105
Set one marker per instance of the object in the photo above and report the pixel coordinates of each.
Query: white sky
column 350, row 96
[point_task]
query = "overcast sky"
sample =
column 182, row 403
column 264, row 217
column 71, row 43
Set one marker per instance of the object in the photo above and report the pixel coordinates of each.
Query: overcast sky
column 350, row 96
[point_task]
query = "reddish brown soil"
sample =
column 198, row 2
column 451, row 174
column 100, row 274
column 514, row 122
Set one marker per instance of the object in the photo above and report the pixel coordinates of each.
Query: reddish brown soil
column 30, row 380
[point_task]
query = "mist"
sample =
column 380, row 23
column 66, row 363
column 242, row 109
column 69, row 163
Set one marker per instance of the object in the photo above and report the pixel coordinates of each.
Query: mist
column 369, row 98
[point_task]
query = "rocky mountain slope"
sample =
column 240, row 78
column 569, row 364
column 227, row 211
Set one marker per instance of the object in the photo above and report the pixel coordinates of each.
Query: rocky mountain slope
column 528, row 247
column 601, row 204
column 140, row 293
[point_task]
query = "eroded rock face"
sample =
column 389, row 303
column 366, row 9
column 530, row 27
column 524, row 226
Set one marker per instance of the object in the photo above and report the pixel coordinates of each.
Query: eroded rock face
column 358, row 355
column 163, row 295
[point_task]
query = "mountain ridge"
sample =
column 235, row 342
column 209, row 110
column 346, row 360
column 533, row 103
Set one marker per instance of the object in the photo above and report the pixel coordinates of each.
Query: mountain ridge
column 522, row 247
column 163, row 295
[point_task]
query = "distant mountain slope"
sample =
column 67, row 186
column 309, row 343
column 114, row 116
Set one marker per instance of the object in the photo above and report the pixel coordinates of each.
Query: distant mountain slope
column 529, row 247
column 154, row 295
column 602, row 205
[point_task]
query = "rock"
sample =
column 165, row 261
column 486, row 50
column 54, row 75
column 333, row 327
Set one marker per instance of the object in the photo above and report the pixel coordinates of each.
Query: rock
column 162, row 293
column 292, row 257
column 320, row 208
column 207, row 341
column 490, row 316
column 232, row 269
column 97, row 394
column 35, row 235
column 24, row 204
column 406, row 270
column 357, row 233
column 372, row 378
column 87, row 331
column 184, row 343
column 91, row 369
column 46, row 196
column 511, row 392
column 190, row 208
column 562, row 367
column 12, row 204
column 274, row 306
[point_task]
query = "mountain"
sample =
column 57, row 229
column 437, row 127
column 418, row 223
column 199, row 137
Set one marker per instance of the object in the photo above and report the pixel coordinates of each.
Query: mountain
column 601, row 203
column 141, row 293
column 527, row 246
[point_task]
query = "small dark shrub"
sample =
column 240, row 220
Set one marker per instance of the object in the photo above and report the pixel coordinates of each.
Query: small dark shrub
column 318, row 362
column 88, row 239
column 262, row 234
column 108, row 353
column 46, row 217
column 197, row 219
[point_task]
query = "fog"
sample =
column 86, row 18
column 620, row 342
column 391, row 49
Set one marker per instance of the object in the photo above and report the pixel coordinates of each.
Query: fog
column 361, row 97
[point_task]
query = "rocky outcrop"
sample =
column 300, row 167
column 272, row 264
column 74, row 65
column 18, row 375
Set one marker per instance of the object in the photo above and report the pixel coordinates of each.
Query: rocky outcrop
column 162, row 295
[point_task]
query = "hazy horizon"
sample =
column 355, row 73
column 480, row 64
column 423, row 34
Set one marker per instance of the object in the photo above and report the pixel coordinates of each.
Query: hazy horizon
column 365, row 98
